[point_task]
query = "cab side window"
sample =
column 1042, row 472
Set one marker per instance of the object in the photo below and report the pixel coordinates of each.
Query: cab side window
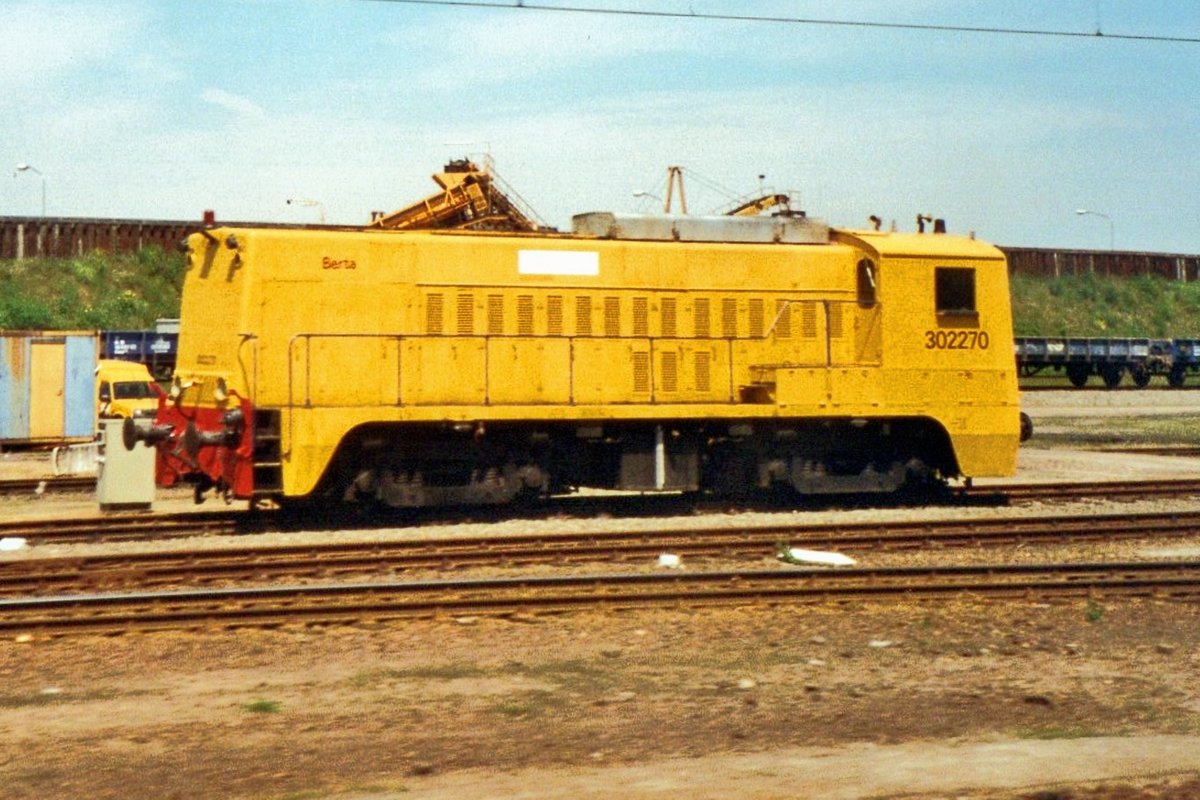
column 867, row 286
column 954, row 290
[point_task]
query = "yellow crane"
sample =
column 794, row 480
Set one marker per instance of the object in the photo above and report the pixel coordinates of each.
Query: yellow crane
column 470, row 199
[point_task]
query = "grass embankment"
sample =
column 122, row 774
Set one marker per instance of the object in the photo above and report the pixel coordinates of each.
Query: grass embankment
column 93, row 292
column 1092, row 306
column 130, row 291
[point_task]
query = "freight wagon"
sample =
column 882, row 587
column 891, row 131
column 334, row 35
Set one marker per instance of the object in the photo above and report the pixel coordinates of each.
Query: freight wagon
column 1111, row 359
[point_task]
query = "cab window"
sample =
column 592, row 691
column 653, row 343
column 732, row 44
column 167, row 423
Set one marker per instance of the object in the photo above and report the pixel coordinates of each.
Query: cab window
column 954, row 290
column 867, row 287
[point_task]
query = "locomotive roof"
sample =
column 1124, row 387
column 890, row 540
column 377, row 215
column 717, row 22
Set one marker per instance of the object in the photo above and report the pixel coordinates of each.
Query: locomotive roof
column 918, row 245
column 802, row 231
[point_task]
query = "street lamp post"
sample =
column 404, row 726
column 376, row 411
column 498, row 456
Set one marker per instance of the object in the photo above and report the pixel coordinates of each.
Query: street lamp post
column 30, row 168
column 1111, row 235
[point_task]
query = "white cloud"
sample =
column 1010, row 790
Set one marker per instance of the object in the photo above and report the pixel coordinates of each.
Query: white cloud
column 43, row 40
column 241, row 106
column 518, row 48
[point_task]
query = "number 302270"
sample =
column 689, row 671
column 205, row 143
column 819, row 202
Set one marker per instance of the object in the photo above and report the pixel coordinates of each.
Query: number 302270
column 957, row 340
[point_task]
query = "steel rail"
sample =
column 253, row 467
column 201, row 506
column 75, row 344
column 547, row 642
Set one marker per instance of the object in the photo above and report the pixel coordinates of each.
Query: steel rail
column 388, row 556
column 38, row 486
column 1111, row 490
column 345, row 603
column 122, row 526
column 1179, row 451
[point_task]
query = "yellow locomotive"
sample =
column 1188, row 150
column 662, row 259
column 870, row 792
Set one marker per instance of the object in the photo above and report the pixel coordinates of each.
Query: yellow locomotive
column 720, row 354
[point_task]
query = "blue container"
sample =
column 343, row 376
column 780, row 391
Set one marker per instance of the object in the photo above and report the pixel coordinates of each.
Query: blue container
column 155, row 349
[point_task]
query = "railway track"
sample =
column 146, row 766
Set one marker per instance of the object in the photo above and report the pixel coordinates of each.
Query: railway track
column 140, row 571
column 125, row 527
column 383, row 601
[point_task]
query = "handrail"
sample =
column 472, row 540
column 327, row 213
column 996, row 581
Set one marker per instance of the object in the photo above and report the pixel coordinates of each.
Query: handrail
column 250, row 380
column 300, row 393
column 652, row 342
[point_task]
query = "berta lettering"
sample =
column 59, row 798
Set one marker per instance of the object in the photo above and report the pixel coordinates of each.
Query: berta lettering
column 338, row 263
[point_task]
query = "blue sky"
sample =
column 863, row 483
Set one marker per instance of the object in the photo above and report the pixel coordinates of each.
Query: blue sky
column 163, row 109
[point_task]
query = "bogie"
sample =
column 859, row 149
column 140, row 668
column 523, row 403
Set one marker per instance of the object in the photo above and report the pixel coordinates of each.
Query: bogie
column 411, row 467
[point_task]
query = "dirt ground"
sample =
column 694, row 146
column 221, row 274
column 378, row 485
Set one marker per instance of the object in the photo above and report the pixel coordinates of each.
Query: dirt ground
column 1094, row 700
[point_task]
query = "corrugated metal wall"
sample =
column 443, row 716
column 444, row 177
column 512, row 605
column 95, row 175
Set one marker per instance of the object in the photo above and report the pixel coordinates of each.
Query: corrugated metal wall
column 14, row 387
column 60, row 404
column 80, row 389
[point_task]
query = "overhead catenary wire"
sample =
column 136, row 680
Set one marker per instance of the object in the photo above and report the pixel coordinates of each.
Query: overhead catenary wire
column 520, row 5
column 692, row 176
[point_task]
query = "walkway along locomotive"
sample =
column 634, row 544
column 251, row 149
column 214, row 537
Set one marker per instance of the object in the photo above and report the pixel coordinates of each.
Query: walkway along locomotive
column 718, row 354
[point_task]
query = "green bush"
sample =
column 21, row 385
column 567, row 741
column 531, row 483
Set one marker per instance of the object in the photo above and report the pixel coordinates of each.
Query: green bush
column 94, row 291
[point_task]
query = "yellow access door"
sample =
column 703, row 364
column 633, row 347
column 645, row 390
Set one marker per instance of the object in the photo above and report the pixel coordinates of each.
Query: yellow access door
column 47, row 380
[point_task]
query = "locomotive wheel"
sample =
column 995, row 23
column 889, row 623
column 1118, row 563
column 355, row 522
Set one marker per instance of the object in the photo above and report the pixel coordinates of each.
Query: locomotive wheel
column 1111, row 376
column 1140, row 375
column 1175, row 377
column 1078, row 374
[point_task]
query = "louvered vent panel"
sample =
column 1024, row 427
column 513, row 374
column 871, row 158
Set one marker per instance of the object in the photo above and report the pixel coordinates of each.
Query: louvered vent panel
column 583, row 316
column 668, row 317
column 783, row 319
column 729, row 326
column 495, row 309
column 670, row 372
column 641, row 316
column 836, row 329
column 641, row 372
column 466, row 314
column 808, row 321
column 433, row 314
column 554, row 315
column 525, row 315
column 703, row 377
column 701, row 323
column 756, row 318
column 612, row 316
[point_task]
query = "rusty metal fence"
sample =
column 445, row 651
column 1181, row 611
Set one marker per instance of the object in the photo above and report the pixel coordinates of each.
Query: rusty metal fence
column 1051, row 263
column 66, row 237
